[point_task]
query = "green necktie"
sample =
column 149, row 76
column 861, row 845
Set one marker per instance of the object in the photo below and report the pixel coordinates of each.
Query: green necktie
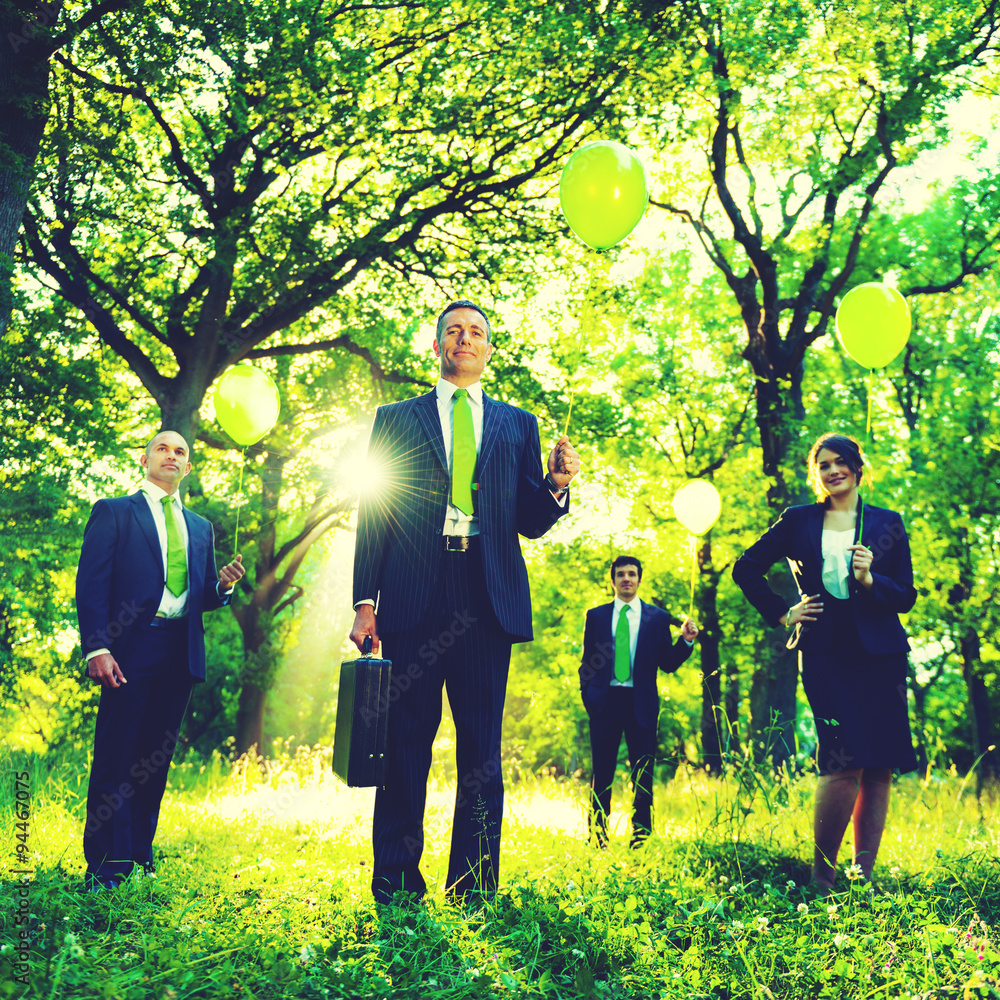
column 623, row 659
column 463, row 453
column 177, row 564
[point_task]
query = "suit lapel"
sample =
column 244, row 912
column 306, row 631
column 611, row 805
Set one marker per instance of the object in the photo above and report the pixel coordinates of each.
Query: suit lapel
column 607, row 610
column 645, row 614
column 140, row 508
column 196, row 559
column 493, row 421
column 430, row 423
column 815, row 528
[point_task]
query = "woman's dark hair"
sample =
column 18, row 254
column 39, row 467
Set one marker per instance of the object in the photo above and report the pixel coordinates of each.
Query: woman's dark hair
column 840, row 444
column 626, row 561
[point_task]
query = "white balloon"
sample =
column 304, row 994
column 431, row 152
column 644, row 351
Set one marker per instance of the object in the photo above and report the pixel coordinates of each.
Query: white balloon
column 697, row 506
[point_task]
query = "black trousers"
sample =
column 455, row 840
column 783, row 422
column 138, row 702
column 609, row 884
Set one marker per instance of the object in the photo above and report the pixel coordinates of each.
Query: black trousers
column 137, row 728
column 606, row 729
column 458, row 645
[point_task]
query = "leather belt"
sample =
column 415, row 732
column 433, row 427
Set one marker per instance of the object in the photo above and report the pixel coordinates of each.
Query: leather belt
column 461, row 543
column 161, row 621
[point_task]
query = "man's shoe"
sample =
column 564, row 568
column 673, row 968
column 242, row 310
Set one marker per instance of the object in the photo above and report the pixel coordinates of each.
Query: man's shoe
column 387, row 894
column 95, row 883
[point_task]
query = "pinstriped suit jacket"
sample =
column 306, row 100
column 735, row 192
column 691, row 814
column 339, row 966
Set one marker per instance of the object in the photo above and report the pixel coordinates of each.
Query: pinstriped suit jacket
column 399, row 547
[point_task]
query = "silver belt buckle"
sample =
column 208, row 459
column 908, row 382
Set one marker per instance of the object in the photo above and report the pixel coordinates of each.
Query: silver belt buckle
column 456, row 543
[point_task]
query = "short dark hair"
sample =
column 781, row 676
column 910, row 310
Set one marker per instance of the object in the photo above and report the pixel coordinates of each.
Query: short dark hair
column 840, row 444
column 626, row 561
column 462, row 304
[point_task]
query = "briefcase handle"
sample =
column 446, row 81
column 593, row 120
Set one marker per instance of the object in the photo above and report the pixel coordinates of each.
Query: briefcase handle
column 367, row 650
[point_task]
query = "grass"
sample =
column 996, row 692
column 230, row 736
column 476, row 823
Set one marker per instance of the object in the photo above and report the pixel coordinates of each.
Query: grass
column 262, row 891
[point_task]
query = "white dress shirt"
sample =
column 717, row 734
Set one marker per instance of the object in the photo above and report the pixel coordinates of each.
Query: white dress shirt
column 837, row 561
column 634, row 614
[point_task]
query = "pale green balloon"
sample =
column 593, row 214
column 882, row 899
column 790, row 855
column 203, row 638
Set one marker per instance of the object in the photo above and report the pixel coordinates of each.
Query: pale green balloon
column 873, row 324
column 603, row 193
column 246, row 404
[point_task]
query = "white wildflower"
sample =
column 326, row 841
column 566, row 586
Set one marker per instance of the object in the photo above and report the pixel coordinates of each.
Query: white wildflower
column 762, row 923
column 790, row 884
column 841, row 941
column 802, row 907
column 307, row 955
column 854, row 872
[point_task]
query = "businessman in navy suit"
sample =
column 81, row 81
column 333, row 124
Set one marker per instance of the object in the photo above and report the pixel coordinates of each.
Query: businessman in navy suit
column 146, row 575
column 624, row 643
column 439, row 576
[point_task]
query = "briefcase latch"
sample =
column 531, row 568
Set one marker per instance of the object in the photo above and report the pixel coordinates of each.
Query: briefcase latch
column 367, row 650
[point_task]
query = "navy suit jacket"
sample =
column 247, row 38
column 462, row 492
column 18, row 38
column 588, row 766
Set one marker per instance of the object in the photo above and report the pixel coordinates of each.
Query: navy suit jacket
column 798, row 537
column 654, row 649
column 120, row 579
column 399, row 545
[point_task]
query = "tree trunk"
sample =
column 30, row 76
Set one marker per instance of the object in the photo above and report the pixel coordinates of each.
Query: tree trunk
column 250, row 719
column 920, row 692
column 25, row 29
column 983, row 729
column 714, row 722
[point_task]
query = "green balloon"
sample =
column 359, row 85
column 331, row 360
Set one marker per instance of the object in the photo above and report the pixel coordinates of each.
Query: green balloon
column 603, row 193
column 873, row 324
column 246, row 404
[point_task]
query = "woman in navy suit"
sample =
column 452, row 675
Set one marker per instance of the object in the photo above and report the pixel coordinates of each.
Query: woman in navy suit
column 851, row 562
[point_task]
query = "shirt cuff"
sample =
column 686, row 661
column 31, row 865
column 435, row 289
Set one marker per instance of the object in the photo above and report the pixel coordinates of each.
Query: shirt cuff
column 358, row 604
column 560, row 498
column 96, row 652
column 690, row 642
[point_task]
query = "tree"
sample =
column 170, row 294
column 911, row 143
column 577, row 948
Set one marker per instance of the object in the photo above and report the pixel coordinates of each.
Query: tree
column 949, row 395
column 33, row 35
column 245, row 181
column 210, row 181
column 812, row 109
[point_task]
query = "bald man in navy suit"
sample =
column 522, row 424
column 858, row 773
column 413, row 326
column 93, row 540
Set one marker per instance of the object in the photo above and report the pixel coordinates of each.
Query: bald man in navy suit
column 141, row 587
column 624, row 644
column 439, row 576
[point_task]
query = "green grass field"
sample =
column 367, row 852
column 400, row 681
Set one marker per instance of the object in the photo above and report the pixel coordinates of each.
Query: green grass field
column 262, row 891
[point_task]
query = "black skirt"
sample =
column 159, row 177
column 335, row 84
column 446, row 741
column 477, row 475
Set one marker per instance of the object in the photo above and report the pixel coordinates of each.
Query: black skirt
column 858, row 700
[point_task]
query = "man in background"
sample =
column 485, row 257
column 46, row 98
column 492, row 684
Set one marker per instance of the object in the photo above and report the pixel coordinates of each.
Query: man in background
column 624, row 643
column 146, row 575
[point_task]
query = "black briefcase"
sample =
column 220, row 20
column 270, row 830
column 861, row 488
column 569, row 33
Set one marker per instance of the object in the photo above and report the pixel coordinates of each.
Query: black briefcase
column 359, row 741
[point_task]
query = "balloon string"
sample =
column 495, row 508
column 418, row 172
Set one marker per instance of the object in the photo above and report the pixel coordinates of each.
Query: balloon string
column 868, row 425
column 586, row 324
column 239, row 504
column 694, row 567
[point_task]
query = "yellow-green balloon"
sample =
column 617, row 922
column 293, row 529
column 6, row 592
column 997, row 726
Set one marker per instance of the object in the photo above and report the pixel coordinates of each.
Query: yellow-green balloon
column 246, row 404
column 873, row 324
column 697, row 506
column 603, row 193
